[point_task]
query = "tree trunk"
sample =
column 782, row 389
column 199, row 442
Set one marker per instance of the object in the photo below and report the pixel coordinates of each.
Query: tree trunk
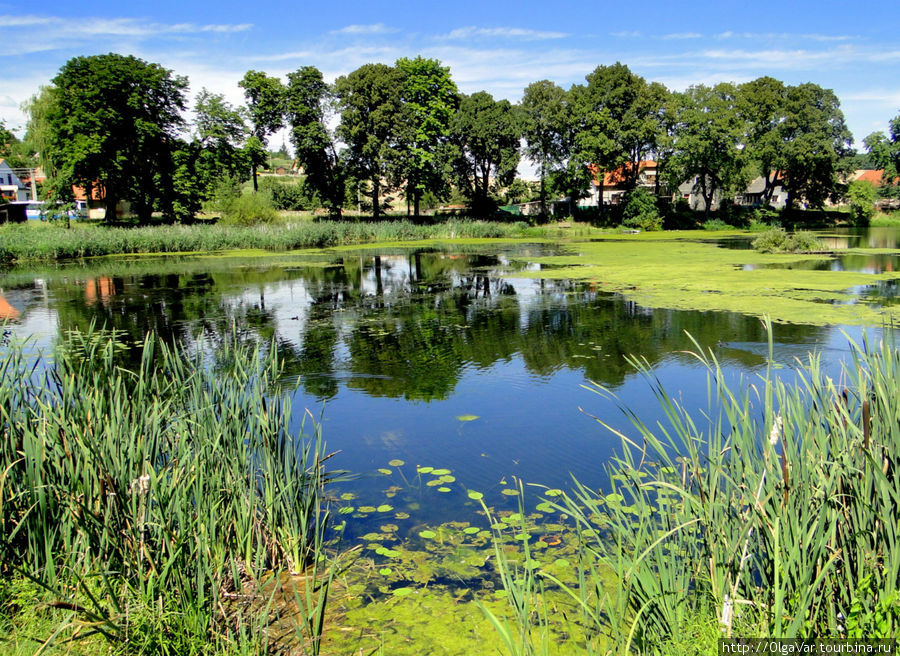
column 375, row 188
column 111, row 202
column 543, row 191
column 417, row 195
column 253, row 175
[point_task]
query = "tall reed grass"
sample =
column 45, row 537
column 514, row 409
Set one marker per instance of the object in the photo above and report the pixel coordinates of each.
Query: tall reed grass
column 169, row 508
column 22, row 242
column 773, row 513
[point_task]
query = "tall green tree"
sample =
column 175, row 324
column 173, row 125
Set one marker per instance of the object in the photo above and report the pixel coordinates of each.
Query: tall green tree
column 763, row 103
column 307, row 102
column 708, row 138
column 885, row 150
column 617, row 121
column 220, row 131
column 114, row 121
column 369, row 101
column 486, row 133
column 543, row 110
column 815, row 140
column 428, row 101
column 265, row 103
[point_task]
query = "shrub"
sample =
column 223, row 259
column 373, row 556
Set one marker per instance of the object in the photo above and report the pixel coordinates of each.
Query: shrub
column 862, row 197
column 778, row 240
column 251, row 209
column 717, row 224
column 293, row 195
column 640, row 211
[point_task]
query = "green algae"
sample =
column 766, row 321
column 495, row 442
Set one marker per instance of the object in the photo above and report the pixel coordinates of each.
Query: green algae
column 672, row 271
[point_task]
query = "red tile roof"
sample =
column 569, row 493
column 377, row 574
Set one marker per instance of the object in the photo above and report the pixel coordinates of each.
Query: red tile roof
column 617, row 177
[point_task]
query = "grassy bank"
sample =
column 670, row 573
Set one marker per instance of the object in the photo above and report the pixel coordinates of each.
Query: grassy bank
column 772, row 514
column 165, row 510
column 43, row 241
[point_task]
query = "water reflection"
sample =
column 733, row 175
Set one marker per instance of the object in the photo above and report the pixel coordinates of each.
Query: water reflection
column 401, row 343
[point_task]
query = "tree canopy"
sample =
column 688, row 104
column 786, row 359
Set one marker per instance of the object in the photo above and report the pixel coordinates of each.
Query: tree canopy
column 113, row 122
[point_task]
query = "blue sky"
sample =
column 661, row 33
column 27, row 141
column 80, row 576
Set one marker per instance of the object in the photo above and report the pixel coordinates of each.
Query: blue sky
column 499, row 46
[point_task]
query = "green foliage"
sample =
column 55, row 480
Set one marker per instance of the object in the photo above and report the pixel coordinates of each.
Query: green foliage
column 428, row 101
column 369, row 101
column 640, row 211
column 292, row 195
column 862, row 197
column 486, row 133
column 778, row 240
column 306, row 99
column 885, row 150
column 714, row 225
column 143, row 498
column 250, row 210
column 544, row 125
column 112, row 121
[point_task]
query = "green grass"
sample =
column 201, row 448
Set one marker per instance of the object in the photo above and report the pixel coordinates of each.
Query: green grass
column 169, row 508
column 883, row 220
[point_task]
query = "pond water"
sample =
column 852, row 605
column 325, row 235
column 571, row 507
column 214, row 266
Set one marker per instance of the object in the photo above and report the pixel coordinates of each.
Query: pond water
column 444, row 359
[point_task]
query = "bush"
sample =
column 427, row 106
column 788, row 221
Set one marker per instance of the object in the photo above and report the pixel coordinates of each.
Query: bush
column 640, row 211
column 862, row 197
column 778, row 240
column 226, row 191
column 717, row 224
column 295, row 195
column 251, row 209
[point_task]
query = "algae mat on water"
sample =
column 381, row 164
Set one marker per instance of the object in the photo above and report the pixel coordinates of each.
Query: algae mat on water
column 667, row 270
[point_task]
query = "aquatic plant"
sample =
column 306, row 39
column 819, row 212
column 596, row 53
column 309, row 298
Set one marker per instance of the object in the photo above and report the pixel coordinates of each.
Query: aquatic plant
column 778, row 240
column 170, row 507
column 765, row 515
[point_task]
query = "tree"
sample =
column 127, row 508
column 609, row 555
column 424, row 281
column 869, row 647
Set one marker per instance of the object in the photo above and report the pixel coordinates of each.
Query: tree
column 114, row 121
column 885, row 150
column 543, row 110
column 369, row 100
column 220, row 134
column 265, row 103
column 762, row 104
column 306, row 101
column 814, row 139
column 862, row 197
column 487, row 135
column 429, row 99
column 708, row 136
column 617, row 121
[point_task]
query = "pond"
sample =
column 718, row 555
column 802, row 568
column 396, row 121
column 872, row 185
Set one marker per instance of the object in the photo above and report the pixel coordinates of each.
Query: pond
column 446, row 359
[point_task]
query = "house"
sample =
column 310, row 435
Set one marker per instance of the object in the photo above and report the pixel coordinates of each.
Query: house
column 614, row 183
column 96, row 204
column 11, row 187
column 752, row 196
column 875, row 177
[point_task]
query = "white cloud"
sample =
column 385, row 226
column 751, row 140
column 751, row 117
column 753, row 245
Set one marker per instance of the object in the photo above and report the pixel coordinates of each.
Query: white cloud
column 377, row 28
column 682, row 35
column 473, row 32
column 633, row 34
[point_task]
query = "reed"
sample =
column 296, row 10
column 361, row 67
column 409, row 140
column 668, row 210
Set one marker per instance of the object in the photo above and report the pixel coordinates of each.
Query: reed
column 159, row 504
column 28, row 242
column 772, row 513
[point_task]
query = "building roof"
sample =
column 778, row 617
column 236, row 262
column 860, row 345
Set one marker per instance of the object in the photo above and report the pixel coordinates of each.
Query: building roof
column 873, row 176
column 617, row 177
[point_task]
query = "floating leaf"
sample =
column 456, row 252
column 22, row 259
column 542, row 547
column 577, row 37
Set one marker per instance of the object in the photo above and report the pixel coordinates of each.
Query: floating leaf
column 348, row 496
column 471, row 530
column 386, row 472
column 434, row 482
column 500, row 594
column 561, row 562
column 440, row 472
column 366, row 509
column 347, row 510
column 448, row 479
column 385, row 571
column 401, row 592
column 368, row 537
column 389, row 528
column 443, row 489
column 401, row 515
column 396, row 462
column 614, row 498
column 467, row 417
column 384, row 508
column 428, row 535
column 523, row 536
column 475, row 495
column 424, row 470
column 544, row 507
column 509, row 492
column 553, row 493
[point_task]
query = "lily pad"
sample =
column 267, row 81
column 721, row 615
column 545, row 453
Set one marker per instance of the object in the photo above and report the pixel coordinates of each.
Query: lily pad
column 385, row 571
column 428, row 535
column 467, row 417
column 366, row 509
column 471, row 530
column 443, row 489
column 510, row 492
column 384, row 508
column 396, row 462
column 424, row 470
column 440, row 472
column 475, row 495
column 385, row 471
column 401, row 592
